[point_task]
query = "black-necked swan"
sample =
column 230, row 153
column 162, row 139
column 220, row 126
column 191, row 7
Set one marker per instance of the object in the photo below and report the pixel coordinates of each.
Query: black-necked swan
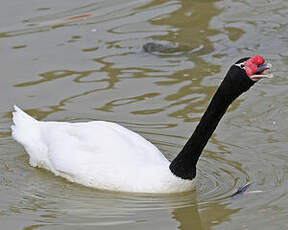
column 105, row 155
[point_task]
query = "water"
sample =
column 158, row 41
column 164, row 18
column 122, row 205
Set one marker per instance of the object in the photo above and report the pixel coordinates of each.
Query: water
column 82, row 61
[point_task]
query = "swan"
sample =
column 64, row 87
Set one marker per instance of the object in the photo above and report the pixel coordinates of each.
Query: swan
column 105, row 155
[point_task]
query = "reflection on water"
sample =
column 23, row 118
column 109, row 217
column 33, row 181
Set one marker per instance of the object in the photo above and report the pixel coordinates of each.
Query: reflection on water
column 192, row 218
column 191, row 96
column 84, row 61
column 53, row 75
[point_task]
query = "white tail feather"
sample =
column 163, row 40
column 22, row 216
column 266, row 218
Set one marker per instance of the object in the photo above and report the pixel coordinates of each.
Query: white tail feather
column 26, row 131
column 21, row 115
column 22, row 124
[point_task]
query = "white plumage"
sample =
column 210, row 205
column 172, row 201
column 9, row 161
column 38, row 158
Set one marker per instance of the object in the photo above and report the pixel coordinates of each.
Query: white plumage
column 97, row 154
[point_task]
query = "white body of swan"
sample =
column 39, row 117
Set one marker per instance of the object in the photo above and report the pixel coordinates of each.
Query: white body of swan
column 97, row 154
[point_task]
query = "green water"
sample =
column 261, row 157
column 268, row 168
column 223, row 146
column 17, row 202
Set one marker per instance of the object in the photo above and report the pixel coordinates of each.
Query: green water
column 82, row 61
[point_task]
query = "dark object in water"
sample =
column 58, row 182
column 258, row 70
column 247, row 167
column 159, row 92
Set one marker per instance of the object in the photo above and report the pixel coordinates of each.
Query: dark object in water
column 151, row 47
column 170, row 48
column 241, row 190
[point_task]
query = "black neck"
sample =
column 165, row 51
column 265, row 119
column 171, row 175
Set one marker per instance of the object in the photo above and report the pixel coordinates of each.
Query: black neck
column 233, row 85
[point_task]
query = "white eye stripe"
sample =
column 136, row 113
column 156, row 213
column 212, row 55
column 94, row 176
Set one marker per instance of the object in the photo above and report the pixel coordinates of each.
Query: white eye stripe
column 241, row 65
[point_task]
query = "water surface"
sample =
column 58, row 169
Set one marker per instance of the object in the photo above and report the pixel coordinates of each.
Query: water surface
column 82, row 61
